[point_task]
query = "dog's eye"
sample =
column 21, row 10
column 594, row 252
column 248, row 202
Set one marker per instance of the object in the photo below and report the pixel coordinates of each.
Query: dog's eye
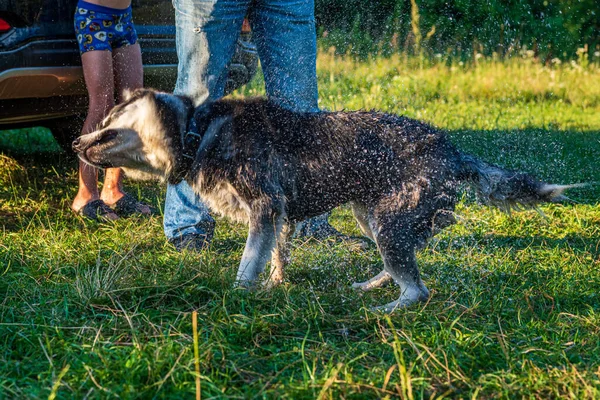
column 114, row 114
column 107, row 136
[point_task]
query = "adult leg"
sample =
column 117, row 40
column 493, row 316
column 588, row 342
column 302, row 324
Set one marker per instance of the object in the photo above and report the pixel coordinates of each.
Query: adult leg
column 187, row 222
column 319, row 228
column 285, row 36
column 98, row 74
column 206, row 32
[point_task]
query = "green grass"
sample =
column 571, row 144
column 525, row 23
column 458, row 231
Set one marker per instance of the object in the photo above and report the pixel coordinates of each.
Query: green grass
column 105, row 310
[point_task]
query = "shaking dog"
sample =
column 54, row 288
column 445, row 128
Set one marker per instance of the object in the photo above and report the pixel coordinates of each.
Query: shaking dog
column 255, row 162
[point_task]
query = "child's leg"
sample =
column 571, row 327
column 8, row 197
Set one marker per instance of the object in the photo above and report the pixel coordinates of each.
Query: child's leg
column 128, row 69
column 98, row 74
column 128, row 73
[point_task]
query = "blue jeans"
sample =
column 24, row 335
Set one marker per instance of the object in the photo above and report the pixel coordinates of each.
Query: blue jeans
column 207, row 31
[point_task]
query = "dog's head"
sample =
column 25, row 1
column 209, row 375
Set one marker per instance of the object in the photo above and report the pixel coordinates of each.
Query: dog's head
column 141, row 135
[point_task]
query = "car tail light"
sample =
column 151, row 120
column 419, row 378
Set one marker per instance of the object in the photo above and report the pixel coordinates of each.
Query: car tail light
column 4, row 26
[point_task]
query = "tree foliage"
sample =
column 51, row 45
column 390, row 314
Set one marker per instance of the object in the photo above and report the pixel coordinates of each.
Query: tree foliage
column 550, row 28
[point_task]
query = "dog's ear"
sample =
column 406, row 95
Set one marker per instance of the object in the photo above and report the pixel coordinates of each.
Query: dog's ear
column 127, row 93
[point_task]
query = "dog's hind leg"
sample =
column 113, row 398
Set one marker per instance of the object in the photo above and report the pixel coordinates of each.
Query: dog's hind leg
column 266, row 223
column 397, row 238
column 365, row 221
column 281, row 255
column 412, row 288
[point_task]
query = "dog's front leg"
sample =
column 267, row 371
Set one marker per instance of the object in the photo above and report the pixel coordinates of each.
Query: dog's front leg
column 266, row 223
column 281, row 255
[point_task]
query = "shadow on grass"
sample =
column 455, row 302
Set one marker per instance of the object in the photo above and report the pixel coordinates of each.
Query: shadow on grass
column 576, row 243
column 539, row 291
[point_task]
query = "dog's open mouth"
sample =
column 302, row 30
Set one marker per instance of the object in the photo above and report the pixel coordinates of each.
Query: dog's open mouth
column 92, row 153
column 92, row 157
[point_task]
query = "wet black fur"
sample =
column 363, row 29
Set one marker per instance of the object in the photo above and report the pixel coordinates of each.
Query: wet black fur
column 317, row 161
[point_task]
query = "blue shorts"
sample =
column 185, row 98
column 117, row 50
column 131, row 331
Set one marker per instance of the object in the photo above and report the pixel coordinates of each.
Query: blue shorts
column 103, row 28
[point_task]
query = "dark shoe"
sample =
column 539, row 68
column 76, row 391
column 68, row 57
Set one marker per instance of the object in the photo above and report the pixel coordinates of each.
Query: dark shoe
column 194, row 241
column 319, row 228
column 243, row 64
column 190, row 242
column 96, row 210
column 128, row 205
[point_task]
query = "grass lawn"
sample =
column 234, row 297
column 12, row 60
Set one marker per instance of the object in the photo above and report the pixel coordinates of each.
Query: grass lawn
column 105, row 310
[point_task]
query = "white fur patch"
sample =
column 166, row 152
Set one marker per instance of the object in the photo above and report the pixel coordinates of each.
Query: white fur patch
column 555, row 192
column 226, row 201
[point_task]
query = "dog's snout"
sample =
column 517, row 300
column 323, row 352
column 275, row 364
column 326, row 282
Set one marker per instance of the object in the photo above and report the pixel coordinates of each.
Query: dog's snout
column 76, row 145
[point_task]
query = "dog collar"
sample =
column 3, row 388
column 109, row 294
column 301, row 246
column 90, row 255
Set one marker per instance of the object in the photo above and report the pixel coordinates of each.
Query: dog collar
column 191, row 139
column 198, row 123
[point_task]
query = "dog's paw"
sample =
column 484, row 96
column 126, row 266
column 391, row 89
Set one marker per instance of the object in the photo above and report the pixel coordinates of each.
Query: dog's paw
column 411, row 296
column 377, row 281
column 275, row 277
column 395, row 305
column 364, row 286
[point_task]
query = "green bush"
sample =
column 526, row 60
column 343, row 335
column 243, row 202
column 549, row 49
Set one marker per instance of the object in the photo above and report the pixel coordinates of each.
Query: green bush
column 461, row 28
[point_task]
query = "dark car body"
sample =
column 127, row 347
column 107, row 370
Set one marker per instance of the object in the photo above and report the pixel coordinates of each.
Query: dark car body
column 41, row 80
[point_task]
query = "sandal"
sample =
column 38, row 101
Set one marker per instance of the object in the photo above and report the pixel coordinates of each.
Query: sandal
column 96, row 210
column 128, row 205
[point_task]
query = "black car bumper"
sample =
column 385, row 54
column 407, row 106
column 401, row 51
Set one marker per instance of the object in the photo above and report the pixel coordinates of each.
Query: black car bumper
column 42, row 79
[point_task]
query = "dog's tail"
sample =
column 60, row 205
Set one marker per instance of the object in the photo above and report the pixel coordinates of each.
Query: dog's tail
column 509, row 190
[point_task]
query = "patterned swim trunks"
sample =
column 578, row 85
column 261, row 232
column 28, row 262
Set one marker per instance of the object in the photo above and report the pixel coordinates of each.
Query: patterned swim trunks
column 103, row 28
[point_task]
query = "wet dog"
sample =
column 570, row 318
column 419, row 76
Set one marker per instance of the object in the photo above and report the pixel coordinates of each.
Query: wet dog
column 255, row 162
